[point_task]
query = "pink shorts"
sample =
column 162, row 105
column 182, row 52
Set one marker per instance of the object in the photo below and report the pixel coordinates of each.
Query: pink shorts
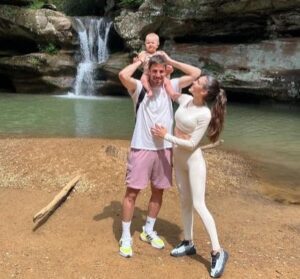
column 153, row 165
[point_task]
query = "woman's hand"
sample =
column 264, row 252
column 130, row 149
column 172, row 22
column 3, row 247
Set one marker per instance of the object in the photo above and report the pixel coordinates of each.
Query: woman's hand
column 159, row 131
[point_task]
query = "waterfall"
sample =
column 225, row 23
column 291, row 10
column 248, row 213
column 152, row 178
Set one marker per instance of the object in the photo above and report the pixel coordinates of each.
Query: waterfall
column 93, row 35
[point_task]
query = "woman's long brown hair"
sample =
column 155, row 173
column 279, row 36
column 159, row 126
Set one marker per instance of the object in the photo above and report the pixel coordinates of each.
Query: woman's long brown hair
column 218, row 109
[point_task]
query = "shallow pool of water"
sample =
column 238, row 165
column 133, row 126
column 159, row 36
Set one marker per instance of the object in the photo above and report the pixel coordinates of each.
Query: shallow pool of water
column 267, row 133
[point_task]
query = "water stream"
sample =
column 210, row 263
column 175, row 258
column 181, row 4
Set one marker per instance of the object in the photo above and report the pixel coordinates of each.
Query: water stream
column 93, row 37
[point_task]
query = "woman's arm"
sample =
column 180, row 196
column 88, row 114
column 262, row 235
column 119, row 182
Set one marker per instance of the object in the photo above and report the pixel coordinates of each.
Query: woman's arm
column 189, row 144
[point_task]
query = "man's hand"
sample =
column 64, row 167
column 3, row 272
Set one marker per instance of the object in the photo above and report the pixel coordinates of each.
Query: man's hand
column 169, row 69
column 166, row 56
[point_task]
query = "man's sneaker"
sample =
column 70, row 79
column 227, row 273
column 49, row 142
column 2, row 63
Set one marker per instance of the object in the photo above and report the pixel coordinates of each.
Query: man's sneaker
column 153, row 239
column 183, row 248
column 218, row 263
column 126, row 247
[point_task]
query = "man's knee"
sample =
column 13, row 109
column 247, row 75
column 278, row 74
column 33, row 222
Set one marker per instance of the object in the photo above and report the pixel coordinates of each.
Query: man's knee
column 131, row 194
column 158, row 193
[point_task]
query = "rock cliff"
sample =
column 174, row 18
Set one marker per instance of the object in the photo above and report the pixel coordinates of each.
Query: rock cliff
column 36, row 50
column 252, row 46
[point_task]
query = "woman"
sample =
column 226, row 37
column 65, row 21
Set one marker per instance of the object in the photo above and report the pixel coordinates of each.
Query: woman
column 193, row 118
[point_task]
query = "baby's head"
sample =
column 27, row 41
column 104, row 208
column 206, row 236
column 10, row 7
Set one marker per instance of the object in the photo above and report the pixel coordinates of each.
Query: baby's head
column 151, row 43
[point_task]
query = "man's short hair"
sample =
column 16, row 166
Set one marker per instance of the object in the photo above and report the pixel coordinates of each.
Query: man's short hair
column 157, row 59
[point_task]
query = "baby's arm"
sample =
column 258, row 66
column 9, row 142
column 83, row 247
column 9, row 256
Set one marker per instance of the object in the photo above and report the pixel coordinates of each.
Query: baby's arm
column 170, row 90
column 145, row 78
column 146, row 84
column 167, row 83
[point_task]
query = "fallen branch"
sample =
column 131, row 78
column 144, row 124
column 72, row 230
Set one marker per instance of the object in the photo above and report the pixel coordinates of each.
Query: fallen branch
column 212, row 145
column 45, row 213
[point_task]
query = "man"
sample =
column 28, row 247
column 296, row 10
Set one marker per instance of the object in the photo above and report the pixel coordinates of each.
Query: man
column 150, row 157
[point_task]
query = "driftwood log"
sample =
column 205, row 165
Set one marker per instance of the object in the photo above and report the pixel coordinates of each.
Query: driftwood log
column 42, row 216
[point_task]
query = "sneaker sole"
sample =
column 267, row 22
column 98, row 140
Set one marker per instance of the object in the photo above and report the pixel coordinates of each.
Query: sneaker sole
column 124, row 255
column 189, row 253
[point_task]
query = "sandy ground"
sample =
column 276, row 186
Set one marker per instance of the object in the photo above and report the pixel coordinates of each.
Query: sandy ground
column 80, row 240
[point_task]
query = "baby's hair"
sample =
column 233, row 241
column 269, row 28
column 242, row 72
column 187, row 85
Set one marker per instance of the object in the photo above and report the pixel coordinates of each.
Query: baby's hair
column 152, row 35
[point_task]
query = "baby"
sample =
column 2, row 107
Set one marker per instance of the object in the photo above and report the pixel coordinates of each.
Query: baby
column 151, row 46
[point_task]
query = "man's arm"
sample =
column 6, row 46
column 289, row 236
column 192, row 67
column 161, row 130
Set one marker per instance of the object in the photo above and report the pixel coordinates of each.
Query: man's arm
column 191, row 72
column 126, row 78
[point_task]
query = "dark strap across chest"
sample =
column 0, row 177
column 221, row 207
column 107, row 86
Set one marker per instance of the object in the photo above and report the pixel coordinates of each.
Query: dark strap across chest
column 140, row 99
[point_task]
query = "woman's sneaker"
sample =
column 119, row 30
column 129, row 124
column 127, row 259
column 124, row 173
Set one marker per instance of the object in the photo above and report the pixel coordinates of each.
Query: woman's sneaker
column 184, row 248
column 126, row 247
column 218, row 262
column 153, row 239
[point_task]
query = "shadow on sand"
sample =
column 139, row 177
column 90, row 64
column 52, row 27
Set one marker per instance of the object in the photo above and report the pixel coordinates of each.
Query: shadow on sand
column 170, row 232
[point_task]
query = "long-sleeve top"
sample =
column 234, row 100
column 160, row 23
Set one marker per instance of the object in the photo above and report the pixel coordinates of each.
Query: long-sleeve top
column 192, row 120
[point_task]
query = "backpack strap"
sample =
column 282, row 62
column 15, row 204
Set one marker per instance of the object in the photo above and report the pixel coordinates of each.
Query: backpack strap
column 140, row 99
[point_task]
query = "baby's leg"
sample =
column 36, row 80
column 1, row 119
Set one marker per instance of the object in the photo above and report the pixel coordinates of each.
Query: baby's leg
column 146, row 84
column 169, row 89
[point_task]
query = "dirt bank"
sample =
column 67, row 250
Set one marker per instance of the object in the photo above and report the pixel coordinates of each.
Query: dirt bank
column 80, row 240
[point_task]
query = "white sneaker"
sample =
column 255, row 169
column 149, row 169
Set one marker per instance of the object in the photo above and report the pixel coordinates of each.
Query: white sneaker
column 153, row 239
column 183, row 248
column 218, row 262
column 126, row 247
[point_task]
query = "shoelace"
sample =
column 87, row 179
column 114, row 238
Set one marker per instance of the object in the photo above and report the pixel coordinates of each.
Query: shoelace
column 152, row 235
column 183, row 243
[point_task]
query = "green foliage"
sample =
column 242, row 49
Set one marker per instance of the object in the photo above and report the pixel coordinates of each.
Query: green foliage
column 59, row 4
column 34, row 61
column 213, row 67
column 84, row 7
column 37, row 4
column 130, row 3
column 229, row 76
column 50, row 48
column 78, row 7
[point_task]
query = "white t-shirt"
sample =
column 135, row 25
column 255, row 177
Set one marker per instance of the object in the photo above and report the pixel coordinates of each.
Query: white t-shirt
column 192, row 120
column 154, row 110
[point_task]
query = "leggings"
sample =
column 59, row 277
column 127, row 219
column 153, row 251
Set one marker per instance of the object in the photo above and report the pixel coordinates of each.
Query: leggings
column 190, row 173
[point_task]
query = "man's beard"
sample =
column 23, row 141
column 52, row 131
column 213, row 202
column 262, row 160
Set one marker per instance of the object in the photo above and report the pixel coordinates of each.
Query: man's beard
column 156, row 82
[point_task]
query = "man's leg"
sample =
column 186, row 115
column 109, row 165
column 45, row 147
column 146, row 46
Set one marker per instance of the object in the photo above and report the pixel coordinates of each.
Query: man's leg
column 129, row 203
column 127, row 213
column 161, row 178
column 155, row 202
column 154, row 206
column 148, row 234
